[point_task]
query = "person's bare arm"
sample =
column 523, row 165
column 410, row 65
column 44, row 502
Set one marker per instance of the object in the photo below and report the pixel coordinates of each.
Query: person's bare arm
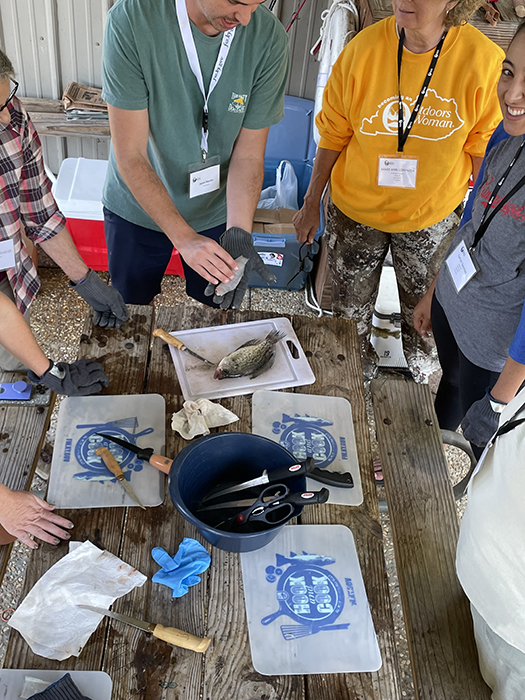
column 476, row 165
column 16, row 338
column 245, row 177
column 130, row 134
column 62, row 250
column 421, row 314
column 509, row 381
column 306, row 221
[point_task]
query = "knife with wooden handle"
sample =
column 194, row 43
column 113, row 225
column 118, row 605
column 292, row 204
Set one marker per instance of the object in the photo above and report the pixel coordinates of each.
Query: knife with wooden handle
column 168, row 634
column 115, row 468
column 171, row 340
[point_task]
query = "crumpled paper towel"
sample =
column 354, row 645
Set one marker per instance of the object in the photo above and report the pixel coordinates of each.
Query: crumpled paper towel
column 197, row 417
column 49, row 619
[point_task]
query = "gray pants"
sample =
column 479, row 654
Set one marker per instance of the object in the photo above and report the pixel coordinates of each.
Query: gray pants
column 355, row 257
column 9, row 363
column 502, row 665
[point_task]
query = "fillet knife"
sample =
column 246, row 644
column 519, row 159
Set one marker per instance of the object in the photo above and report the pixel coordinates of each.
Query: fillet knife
column 171, row 340
column 168, row 634
column 115, row 468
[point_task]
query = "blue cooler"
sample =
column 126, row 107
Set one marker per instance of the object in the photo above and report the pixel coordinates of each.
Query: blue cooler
column 291, row 139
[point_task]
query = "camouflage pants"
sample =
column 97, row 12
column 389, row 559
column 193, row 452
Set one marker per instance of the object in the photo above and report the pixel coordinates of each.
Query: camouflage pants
column 355, row 257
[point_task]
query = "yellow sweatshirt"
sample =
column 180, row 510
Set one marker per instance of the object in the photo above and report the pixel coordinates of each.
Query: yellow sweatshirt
column 455, row 121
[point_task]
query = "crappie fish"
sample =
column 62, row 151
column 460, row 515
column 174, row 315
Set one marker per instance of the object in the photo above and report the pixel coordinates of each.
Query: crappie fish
column 252, row 358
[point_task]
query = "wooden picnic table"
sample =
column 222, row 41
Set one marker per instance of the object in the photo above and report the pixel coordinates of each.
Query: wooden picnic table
column 143, row 667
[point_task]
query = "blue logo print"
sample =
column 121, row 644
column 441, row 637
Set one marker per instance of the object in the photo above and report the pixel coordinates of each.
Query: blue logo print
column 86, row 447
column 307, row 593
column 304, row 436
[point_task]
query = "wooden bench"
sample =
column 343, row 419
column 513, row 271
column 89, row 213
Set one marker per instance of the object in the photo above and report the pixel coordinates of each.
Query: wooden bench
column 49, row 120
column 425, row 530
column 22, row 433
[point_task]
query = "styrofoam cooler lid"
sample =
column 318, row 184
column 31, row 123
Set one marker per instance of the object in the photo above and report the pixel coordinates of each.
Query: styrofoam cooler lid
column 78, row 189
column 306, row 604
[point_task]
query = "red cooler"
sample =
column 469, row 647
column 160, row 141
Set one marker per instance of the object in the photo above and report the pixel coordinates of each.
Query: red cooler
column 78, row 191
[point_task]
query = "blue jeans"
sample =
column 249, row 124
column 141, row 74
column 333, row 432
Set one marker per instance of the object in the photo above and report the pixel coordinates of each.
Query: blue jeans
column 139, row 256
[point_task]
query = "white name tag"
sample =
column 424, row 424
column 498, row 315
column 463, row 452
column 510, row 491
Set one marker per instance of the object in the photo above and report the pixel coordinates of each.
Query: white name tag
column 205, row 180
column 460, row 266
column 7, row 255
column 397, row 172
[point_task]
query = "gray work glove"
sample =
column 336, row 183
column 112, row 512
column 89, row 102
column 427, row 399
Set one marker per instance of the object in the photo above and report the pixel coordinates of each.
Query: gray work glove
column 236, row 241
column 80, row 378
column 481, row 421
column 108, row 304
column 64, row 689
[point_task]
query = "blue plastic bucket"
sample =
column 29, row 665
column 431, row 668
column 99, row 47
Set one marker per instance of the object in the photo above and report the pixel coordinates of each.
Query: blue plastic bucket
column 224, row 458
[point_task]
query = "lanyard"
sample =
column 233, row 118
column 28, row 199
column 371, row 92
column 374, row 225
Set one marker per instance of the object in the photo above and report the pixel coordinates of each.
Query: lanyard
column 403, row 135
column 193, row 59
column 488, row 215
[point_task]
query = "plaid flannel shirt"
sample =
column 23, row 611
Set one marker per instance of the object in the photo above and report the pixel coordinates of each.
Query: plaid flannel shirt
column 26, row 198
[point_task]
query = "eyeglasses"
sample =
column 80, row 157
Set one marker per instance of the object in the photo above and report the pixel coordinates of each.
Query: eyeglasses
column 13, row 93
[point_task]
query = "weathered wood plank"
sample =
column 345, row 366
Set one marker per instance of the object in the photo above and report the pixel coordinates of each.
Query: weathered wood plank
column 332, row 348
column 126, row 367
column 22, row 433
column 38, row 104
column 425, row 531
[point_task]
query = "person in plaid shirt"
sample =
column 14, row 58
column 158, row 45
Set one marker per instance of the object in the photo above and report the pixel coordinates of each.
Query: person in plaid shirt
column 26, row 203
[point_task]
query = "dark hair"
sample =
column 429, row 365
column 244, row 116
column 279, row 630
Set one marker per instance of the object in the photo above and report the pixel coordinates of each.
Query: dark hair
column 521, row 27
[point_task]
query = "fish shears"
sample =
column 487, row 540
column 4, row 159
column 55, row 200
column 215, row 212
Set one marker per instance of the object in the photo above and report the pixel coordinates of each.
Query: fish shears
column 144, row 453
column 306, row 468
column 274, row 505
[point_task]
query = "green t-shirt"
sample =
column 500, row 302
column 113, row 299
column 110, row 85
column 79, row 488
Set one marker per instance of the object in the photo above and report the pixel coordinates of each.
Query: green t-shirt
column 145, row 66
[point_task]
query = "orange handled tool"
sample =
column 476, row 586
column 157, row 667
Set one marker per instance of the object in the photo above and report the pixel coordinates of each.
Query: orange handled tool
column 145, row 453
column 171, row 340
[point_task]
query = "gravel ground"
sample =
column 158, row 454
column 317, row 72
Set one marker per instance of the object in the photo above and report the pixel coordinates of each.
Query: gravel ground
column 57, row 318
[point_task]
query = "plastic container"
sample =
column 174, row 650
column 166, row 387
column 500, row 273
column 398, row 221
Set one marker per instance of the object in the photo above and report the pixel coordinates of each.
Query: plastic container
column 224, row 458
column 78, row 191
column 291, row 139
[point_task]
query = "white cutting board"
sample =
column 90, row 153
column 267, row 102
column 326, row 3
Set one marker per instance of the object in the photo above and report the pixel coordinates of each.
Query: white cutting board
column 308, row 425
column 79, row 478
column 306, row 604
column 196, row 377
column 93, row 684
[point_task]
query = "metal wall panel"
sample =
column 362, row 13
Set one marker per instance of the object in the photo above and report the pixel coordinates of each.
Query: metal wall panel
column 52, row 42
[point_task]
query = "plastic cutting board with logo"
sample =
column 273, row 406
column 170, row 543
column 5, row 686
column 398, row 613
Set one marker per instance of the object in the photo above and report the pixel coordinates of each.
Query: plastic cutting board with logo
column 290, row 368
column 306, row 604
column 79, row 478
column 312, row 426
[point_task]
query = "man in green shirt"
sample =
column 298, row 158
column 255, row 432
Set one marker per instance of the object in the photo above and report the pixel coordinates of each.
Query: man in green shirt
column 192, row 88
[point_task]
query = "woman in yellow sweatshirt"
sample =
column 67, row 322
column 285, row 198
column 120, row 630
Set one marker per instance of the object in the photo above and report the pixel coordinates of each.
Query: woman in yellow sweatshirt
column 407, row 113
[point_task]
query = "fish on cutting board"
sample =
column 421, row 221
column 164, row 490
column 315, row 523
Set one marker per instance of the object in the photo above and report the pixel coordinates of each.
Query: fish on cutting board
column 252, row 358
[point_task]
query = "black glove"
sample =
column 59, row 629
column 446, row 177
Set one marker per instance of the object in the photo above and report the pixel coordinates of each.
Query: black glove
column 236, row 241
column 81, row 378
column 481, row 421
column 64, row 688
column 108, row 304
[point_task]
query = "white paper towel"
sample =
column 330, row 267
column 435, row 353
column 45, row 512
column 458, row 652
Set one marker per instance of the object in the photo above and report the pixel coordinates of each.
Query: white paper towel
column 49, row 618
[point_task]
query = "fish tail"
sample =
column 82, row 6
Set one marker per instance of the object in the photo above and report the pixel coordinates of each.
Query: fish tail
column 280, row 560
column 275, row 336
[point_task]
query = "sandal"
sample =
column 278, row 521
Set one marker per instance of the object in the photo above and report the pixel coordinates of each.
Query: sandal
column 378, row 472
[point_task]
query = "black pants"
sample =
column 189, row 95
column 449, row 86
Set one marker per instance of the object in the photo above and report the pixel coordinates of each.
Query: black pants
column 462, row 383
column 138, row 258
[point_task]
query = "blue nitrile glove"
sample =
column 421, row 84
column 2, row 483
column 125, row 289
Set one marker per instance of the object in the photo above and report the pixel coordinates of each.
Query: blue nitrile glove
column 180, row 572
column 236, row 241
column 107, row 302
column 481, row 420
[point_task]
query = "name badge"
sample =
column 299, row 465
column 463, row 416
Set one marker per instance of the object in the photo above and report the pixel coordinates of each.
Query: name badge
column 460, row 266
column 204, row 180
column 7, row 255
column 394, row 171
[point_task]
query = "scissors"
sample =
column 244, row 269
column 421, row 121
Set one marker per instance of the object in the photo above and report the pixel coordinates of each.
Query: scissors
column 274, row 505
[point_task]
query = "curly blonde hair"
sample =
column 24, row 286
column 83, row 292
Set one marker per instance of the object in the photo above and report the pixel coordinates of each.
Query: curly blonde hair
column 462, row 12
